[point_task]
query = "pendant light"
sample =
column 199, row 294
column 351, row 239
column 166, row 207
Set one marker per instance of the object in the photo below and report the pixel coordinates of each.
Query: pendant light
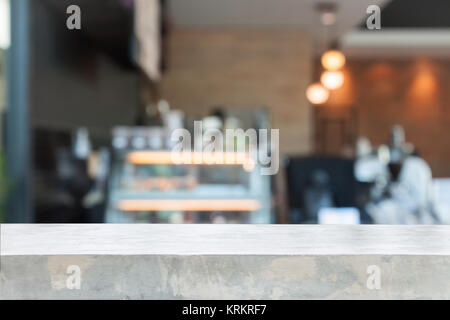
column 332, row 80
column 317, row 93
column 333, row 60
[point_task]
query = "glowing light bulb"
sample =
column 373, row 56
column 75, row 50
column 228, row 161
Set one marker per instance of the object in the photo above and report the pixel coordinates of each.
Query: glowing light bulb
column 317, row 93
column 332, row 80
column 333, row 60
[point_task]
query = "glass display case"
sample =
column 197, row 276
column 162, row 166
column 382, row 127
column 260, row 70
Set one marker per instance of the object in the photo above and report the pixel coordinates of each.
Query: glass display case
column 147, row 186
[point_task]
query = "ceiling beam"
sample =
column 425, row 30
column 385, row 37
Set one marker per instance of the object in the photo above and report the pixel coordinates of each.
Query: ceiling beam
column 397, row 43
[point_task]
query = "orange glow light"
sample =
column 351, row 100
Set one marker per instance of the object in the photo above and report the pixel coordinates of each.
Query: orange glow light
column 333, row 60
column 189, row 205
column 332, row 80
column 201, row 158
column 317, row 93
column 424, row 90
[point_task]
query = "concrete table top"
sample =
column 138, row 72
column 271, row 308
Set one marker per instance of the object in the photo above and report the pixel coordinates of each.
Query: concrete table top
column 224, row 261
column 156, row 239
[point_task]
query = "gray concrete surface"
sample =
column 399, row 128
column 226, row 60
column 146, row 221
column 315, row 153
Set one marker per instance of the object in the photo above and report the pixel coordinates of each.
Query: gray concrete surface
column 224, row 262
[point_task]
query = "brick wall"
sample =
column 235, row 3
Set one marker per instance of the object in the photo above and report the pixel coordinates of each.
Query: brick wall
column 414, row 93
column 244, row 68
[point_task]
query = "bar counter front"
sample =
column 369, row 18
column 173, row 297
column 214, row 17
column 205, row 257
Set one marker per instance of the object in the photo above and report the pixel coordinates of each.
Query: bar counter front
column 158, row 261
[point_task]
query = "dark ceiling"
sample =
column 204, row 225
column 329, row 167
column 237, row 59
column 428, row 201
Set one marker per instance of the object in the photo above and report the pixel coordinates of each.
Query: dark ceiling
column 415, row 14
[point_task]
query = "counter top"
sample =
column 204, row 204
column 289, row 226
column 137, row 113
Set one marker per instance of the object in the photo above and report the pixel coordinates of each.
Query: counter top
column 148, row 261
column 152, row 239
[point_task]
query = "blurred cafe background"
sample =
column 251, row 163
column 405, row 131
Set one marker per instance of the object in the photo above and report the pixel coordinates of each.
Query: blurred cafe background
column 87, row 113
